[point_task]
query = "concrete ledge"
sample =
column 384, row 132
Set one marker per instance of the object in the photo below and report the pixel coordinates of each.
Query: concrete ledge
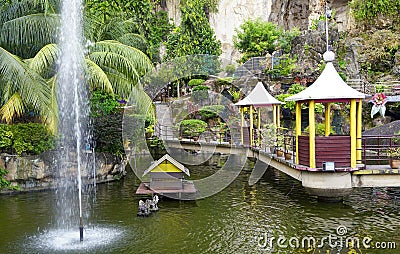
column 376, row 180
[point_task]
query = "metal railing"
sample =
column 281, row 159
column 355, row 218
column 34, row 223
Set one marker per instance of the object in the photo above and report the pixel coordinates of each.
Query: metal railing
column 376, row 150
column 210, row 135
column 390, row 88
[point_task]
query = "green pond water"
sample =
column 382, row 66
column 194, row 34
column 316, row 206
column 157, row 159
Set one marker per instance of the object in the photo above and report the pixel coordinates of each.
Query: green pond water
column 241, row 219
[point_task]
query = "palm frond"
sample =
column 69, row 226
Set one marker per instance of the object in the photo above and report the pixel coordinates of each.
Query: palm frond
column 140, row 61
column 16, row 9
column 96, row 77
column 30, row 30
column 29, row 85
column 134, row 40
column 143, row 103
column 45, row 60
column 116, row 62
column 98, row 29
column 13, row 107
column 121, row 84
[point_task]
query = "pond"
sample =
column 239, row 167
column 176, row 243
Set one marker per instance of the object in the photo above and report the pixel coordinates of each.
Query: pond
column 273, row 216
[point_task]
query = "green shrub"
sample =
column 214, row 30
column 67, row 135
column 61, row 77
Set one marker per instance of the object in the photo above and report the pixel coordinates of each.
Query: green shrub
column 6, row 137
column 192, row 127
column 230, row 69
column 319, row 129
column 294, row 89
column 102, row 103
column 201, row 88
column 5, row 184
column 29, row 138
column 211, row 111
column 200, row 92
column 196, row 82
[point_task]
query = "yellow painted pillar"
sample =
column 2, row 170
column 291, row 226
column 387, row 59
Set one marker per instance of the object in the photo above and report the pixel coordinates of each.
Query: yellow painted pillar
column 353, row 132
column 311, row 128
column 251, row 125
column 274, row 116
column 359, row 129
column 241, row 122
column 278, row 116
column 298, row 128
column 327, row 119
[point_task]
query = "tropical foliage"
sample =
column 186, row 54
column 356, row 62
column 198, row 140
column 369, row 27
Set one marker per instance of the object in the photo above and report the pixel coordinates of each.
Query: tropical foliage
column 194, row 36
column 137, row 23
column 30, row 138
column 4, row 183
column 28, row 58
column 192, row 127
column 257, row 38
column 368, row 10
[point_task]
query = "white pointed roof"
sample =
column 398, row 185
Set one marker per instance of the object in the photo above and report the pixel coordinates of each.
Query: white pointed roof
column 328, row 86
column 258, row 97
column 171, row 160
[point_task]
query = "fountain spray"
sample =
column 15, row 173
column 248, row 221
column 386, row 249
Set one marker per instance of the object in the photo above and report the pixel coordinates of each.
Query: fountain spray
column 73, row 111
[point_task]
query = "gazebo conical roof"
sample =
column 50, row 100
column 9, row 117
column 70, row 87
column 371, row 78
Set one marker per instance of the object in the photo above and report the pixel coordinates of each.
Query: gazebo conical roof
column 258, row 97
column 329, row 86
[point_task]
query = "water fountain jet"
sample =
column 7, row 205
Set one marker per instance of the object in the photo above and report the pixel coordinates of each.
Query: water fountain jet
column 73, row 111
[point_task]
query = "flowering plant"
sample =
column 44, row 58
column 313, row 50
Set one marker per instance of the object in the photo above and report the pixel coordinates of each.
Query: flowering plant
column 379, row 100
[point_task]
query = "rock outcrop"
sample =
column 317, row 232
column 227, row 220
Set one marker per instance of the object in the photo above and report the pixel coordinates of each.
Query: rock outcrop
column 32, row 173
column 287, row 14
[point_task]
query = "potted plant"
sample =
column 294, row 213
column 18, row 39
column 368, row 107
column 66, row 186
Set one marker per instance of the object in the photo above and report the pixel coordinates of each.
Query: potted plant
column 394, row 157
column 279, row 145
column 288, row 146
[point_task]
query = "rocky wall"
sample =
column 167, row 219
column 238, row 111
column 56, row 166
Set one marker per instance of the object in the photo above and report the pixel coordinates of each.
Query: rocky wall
column 33, row 173
column 288, row 14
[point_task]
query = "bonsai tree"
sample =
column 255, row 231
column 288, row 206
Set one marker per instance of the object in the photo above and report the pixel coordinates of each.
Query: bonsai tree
column 200, row 93
column 192, row 127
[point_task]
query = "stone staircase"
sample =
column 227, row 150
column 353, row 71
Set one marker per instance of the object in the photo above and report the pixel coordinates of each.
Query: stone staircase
column 164, row 125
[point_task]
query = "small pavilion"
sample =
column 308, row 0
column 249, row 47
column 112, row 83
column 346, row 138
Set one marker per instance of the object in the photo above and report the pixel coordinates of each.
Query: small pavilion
column 257, row 98
column 343, row 150
column 167, row 177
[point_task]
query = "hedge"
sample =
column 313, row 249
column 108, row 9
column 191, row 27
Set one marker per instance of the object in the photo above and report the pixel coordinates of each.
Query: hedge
column 26, row 138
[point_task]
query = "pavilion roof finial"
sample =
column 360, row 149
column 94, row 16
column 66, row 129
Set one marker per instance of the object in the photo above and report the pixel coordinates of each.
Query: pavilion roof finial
column 329, row 56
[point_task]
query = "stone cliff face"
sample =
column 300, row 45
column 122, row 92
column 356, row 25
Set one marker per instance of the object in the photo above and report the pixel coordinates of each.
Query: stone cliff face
column 286, row 13
column 32, row 173
column 231, row 15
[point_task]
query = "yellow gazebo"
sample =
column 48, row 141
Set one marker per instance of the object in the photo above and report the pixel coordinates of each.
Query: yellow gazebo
column 344, row 150
column 257, row 98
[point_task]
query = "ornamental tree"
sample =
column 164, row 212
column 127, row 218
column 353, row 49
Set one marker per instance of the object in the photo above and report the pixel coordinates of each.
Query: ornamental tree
column 257, row 38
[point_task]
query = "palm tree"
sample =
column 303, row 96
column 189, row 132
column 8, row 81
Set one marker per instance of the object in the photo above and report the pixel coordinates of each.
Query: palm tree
column 115, row 65
column 22, row 89
column 28, row 25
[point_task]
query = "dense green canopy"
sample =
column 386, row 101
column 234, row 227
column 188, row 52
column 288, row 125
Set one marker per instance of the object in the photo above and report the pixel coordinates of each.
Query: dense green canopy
column 28, row 57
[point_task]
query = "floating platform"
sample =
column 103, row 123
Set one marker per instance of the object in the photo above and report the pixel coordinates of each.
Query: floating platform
column 187, row 192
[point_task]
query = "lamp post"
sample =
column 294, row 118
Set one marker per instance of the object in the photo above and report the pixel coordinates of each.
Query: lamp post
column 328, row 15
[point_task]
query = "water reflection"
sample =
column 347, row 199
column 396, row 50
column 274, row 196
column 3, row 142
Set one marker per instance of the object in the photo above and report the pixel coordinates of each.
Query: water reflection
column 230, row 222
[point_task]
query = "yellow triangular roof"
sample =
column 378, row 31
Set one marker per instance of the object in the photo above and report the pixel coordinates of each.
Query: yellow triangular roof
column 171, row 160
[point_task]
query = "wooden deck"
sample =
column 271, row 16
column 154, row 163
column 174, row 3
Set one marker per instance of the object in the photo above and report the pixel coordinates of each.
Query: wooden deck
column 144, row 189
